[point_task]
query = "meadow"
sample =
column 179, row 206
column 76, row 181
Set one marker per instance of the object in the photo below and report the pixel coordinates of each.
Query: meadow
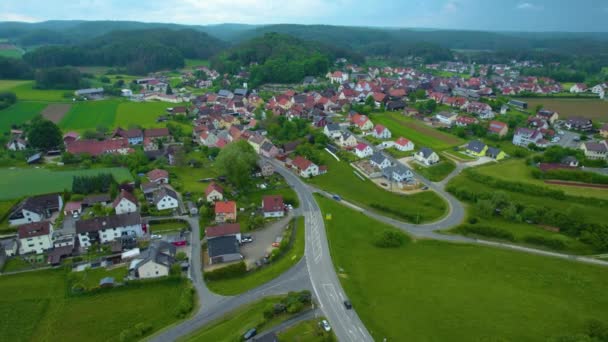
column 19, row 182
column 417, row 132
column 424, row 291
column 437, row 172
column 36, row 306
column 26, row 91
column 191, row 63
column 307, row 331
column 19, row 113
column 11, row 53
column 140, row 113
column 595, row 109
column 89, row 115
column 340, row 179
column 9, row 84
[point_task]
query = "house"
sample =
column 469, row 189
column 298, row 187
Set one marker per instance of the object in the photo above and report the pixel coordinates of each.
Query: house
column 266, row 168
column 476, row 148
column 268, row 150
column 569, row 161
column 337, row 77
column 595, row 150
column 214, row 192
column 91, row 200
column 548, row 115
column 165, row 198
column 499, row 128
column 426, row 156
column 332, row 130
column 362, row 122
column 403, row 144
column 381, row 132
column 226, row 229
column 578, row 88
column 35, row 209
column 158, row 133
column 579, row 124
column 446, row 118
column 495, row 153
column 96, row 148
column 525, row 136
column 158, row 176
column 135, row 136
column 272, row 206
column 599, row 88
column 154, row 262
column 35, row 237
column 223, row 249
column 125, row 203
column 10, row 247
column 72, row 208
column 347, row 140
column 398, row 173
column 225, row 211
column 91, row 93
column 304, row 167
column 518, row 104
column 16, row 144
column 108, row 228
column 465, row 121
column 363, row 150
column 70, row 137
column 604, row 131
column 380, row 161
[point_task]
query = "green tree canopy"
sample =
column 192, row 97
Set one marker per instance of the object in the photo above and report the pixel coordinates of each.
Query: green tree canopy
column 236, row 161
column 44, row 134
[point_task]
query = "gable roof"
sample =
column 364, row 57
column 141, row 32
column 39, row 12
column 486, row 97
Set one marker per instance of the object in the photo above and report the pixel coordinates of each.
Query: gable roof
column 126, row 195
column 213, row 186
column 361, row 146
column 426, row 152
column 34, row 229
column 162, row 192
column 272, row 203
column 301, row 163
column 496, row 126
column 157, row 174
column 222, row 230
column 40, row 203
column 107, row 222
column 222, row 245
column 378, row 158
column 476, row 146
column 95, row 148
column 225, row 207
column 156, row 132
column 402, row 141
column 493, row 152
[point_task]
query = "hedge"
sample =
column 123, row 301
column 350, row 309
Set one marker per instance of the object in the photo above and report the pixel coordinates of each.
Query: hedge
column 544, row 241
column 487, row 231
column 230, row 271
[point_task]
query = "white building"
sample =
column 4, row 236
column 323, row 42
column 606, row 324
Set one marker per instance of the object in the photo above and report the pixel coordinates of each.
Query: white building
column 166, row 198
column 35, row 237
column 108, row 228
column 380, row 160
column 36, row 209
column 403, row 144
column 305, row 167
column 273, row 206
column 426, row 156
column 381, row 132
column 155, row 262
column 363, row 150
column 125, row 203
column 446, row 118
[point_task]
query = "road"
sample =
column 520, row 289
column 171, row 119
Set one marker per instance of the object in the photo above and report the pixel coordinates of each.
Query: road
column 305, row 316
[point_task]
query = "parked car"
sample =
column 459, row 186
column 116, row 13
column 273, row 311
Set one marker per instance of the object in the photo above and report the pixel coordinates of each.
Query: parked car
column 156, row 236
column 247, row 239
column 325, row 325
column 250, row 333
column 348, row 305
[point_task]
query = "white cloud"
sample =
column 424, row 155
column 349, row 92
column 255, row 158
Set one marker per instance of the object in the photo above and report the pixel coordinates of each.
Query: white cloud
column 17, row 17
column 450, row 7
column 528, row 6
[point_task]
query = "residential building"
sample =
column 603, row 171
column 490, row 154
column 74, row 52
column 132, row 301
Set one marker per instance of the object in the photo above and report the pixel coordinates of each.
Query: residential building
column 347, row 140
column 548, row 115
column 426, row 156
column 476, row 148
column 595, row 150
column 36, row 209
column 380, row 161
column 363, row 150
column 154, row 262
column 464, row 121
column 361, row 121
column 273, row 206
column 526, row 136
column 446, row 118
column 495, row 153
column 96, row 148
column 165, row 198
column 579, row 124
column 398, row 173
column 403, row 144
column 214, row 192
column 332, row 130
column 381, row 132
column 304, row 167
column 268, row 150
column 223, row 249
column 158, row 176
column 125, row 203
column 266, row 168
column 499, row 128
column 578, row 88
column 72, row 208
column 35, row 237
column 604, row 131
column 16, row 144
column 135, row 136
column 226, row 229
column 108, row 228
column 225, row 211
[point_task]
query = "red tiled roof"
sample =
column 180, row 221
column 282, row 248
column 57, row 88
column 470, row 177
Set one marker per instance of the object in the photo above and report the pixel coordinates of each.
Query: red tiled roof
column 223, row 229
column 272, row 203
column 361, row 146
column 157, row 174
column 496, row 126
column 402, row 141
column 226, row 207
column 124, row 194
column 213, row 186
column 301, row 163
column 71, row 206
column 34, row 229
column 156, row 132
column 95, row 148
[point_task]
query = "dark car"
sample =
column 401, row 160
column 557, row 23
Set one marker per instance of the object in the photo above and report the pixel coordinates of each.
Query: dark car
column 348, row 305
column 250, row 333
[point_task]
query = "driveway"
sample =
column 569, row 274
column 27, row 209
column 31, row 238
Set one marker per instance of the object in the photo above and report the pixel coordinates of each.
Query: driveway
column 69, row 225
column 263, row 239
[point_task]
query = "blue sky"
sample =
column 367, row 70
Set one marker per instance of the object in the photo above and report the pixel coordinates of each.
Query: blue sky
column 517, row 15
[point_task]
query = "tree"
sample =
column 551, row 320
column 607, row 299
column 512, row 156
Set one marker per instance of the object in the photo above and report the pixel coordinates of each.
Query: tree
column 236, row 161
column 169, row 90
column 44, row 134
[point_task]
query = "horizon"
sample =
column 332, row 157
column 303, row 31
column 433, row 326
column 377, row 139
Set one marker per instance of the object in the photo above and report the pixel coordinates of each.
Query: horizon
column 586, row 16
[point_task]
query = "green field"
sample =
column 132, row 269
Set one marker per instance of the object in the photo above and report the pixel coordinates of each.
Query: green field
column 35, row 306
column 25, row 91
column 18, row 182
column 140, row 113
column 9, row 84
column 437, row 172
column 593, row 108
column 167, row 226
column 516, row 169
column 11, row 53
column 307, row 331
column 340, row 179
column 89, row 115
column 436, row 291
column 19, row 113
column 254, row 279
column 419, row 133
column 196, row 62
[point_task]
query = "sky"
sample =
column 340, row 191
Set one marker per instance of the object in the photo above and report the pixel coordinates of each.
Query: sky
column 494, row 15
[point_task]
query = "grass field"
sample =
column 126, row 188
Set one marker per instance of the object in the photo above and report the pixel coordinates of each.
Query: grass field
column 254, row 279
column 190, row 63
column 25, row 91
column 307, row 331
column 518, row 170
column 9, row 84
column 35, row 307
column 436, row 291
column 18, row 182
column 167, row 226
column 437, row 172
column 340, row 179
column 141, row 113
column 19, row 113
column 11, row 53
column 595, row 109
column 89, row 115
column 420, row 134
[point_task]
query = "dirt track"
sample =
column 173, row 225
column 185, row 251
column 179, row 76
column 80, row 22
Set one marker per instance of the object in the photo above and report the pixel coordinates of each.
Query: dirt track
column 55, row 112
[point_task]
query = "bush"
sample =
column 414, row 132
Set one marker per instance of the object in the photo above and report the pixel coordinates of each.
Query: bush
column 544, row 241
column 390, row 239
column 473, row 220
column 186, row 303
column 487, row 231
column 230, row 271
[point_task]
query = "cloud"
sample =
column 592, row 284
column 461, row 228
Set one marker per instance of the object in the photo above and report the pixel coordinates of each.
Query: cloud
column 527, row 6
column 17, row 17
column 451, row 6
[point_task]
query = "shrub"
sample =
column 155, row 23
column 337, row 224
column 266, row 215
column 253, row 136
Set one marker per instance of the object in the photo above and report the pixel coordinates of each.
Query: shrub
column 544, row 241
column 230, row 271
column 390, row 239
column 473, row 220
column 186, row 303
column 487, row 231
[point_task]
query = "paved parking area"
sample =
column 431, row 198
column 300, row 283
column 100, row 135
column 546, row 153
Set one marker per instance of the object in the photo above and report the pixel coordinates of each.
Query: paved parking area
column 568, row 140
column 263, row 239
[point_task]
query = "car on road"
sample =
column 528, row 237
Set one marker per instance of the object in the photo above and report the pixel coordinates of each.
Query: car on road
column 250, row 333
column 336, row 197
column 348, row 305
column 325, row 325
column 156, row 236
column 246, row 239
column 425, row 187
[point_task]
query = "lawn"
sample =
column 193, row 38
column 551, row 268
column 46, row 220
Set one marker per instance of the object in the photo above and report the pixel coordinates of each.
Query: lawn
column 90, row 277
column 190, row 63
column 437, row 291
column 18, row 114
column 437, row 172
column 8, row 84
column 307, row 331
column 140, row 113
column 16, row 264
column 516, row 169
column 35, row 306
column 19, row 182
column 167, row 226
column 187, row 179
column 340, row 179
column 254, row 279
column 593, row 108
column 25, row 91
column 89, row 115
column 421, row 134
column 11, row 53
